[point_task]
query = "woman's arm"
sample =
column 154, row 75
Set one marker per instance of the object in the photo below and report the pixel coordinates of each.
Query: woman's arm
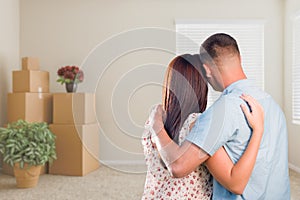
column 180, row 160
column 235, row 177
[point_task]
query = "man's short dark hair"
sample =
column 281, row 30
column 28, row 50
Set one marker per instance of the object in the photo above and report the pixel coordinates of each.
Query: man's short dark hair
column 217, row 45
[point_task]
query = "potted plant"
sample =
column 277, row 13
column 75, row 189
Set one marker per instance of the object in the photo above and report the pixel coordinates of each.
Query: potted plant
column 26, row 147
column 70, row 76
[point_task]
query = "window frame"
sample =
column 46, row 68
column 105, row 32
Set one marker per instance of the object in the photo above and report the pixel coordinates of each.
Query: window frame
column 296, row 70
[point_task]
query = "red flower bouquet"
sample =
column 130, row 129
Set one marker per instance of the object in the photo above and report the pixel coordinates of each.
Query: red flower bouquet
column 70, row 74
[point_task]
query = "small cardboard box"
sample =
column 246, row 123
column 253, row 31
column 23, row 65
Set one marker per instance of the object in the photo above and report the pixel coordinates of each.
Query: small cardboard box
column 9, row 170
column 77, row 149
column 31, row 107
column 30, row 81
column 74, row 108
column 30, row 63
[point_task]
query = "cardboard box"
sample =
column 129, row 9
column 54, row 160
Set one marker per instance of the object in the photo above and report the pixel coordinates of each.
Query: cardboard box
column 30, row 81
column 1, row 161
column 30, row 63
column 74, row 108
column 31, row 107
column 9, row 170
column 77, row 149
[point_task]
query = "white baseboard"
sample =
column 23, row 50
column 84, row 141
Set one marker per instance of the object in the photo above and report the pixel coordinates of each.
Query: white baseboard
column 123, row 162
column 294, row 167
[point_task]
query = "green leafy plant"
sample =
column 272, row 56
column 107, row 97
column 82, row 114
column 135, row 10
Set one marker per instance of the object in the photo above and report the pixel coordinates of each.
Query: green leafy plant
column 31, row 143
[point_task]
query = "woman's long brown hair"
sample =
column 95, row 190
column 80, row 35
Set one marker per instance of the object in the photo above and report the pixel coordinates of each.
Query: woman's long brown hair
column 185, row 92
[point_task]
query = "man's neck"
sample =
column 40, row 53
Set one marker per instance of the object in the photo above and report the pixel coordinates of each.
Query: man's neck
column 231, row 70
column 233, row 77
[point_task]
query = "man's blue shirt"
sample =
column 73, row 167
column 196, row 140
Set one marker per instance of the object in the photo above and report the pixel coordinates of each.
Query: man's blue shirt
column 224, row 124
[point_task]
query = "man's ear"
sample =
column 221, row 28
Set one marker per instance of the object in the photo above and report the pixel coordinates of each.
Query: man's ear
column 207, row 70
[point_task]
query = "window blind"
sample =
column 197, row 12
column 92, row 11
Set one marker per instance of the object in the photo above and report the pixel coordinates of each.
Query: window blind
column 248, row 34
column 296, row 72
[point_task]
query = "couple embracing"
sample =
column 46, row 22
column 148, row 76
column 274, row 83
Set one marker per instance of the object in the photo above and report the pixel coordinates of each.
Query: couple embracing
column 236, row 149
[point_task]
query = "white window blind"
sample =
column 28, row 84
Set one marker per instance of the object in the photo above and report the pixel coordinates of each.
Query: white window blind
column 296, row 72
column 249, row 36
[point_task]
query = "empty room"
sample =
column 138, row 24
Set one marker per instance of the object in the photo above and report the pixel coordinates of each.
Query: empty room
column 149, row 99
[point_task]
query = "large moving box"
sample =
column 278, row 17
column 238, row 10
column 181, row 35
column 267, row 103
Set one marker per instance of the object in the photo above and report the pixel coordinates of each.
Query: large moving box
column 74, row 108
column 77, row 149
column 31, row 107
column 30, row 81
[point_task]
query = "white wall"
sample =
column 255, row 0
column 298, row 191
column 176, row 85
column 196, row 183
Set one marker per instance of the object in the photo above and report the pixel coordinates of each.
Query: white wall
column 63, row 32
column 292, row 8
column 9, row 50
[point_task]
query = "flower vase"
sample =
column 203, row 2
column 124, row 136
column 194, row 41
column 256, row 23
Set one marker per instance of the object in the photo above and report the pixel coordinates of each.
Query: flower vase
column 71, row 87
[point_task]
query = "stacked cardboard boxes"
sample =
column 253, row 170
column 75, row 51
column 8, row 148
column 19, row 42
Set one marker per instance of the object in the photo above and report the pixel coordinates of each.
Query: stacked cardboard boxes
column 30, row 99
column 77, row 134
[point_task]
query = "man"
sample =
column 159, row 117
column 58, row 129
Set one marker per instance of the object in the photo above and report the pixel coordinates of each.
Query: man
column 223, row 125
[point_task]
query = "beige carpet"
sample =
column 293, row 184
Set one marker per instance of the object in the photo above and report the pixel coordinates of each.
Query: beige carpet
column 103, row 184
column 295, row 185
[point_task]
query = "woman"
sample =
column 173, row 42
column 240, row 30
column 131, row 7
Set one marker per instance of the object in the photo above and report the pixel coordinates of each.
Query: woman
column 185, row 97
